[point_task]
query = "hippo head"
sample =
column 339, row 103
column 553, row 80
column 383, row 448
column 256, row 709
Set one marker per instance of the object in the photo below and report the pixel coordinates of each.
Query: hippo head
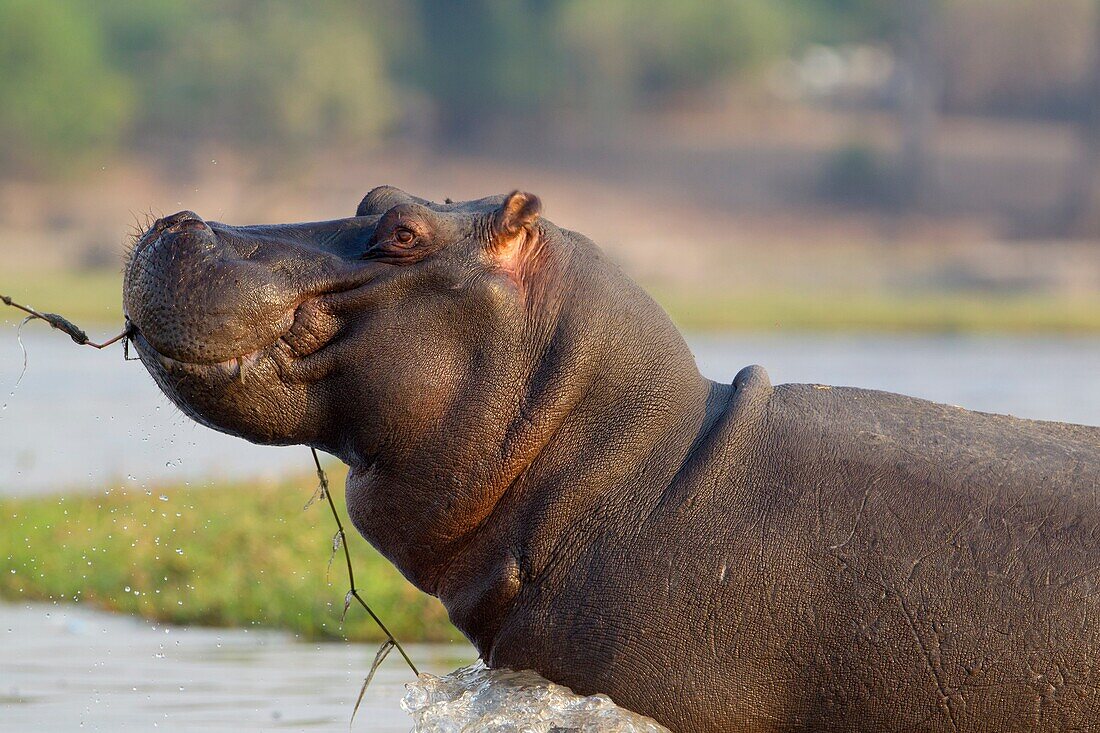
column 296, row 333
column 438, row 349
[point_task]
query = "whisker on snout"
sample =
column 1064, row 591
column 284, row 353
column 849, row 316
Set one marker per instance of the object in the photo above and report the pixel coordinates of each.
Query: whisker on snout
column 142, row 222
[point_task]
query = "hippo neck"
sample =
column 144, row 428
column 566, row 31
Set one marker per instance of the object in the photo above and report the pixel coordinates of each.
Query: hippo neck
column 636, row 402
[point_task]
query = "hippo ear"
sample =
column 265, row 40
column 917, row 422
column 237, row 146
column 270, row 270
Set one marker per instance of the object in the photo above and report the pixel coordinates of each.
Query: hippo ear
column 514, row 224
column 383, row 198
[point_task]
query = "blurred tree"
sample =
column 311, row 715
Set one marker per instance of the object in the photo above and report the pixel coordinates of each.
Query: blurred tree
column 483, row 59
column 250, row 72
column 60, row 99
column 1020, row 58
column 911, row 28
column 1080, row 215
column 845, row 21
column 919, row 97
column 625, row 52
column 79, row 76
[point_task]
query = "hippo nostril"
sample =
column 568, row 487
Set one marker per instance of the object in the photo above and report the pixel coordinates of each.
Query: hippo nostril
column 178, row 221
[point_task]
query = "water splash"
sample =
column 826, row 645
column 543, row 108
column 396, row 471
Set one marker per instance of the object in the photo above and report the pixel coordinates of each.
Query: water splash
column 337, row 543
column 19, row 339
column 477, row 698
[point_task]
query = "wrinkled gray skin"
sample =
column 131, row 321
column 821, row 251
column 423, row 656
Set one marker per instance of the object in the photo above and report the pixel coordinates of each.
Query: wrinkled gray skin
column 530, row 440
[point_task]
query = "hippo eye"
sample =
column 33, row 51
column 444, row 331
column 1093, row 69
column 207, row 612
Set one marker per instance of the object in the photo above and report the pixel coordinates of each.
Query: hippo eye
column 401, row 237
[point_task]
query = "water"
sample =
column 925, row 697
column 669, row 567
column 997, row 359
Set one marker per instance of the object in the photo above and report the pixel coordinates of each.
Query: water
column 67, row 667
column 1036, row 377
column 82, row 419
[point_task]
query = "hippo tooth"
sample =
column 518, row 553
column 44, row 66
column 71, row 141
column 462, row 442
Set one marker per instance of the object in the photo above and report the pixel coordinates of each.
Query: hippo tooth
column 247, row 362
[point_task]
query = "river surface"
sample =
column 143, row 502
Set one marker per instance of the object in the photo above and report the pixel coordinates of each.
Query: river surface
column 84, row 420
column 66, row 668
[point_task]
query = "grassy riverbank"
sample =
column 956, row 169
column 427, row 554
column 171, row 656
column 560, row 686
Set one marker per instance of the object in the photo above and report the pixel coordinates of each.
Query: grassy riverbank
column 882, row 312
column 92, row 300
column 233, row 555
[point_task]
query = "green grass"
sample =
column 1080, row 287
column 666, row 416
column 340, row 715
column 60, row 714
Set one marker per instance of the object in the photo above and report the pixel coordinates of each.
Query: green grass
column 90, row 299
column 93, row 300
column 882, row 312
column 235, row 555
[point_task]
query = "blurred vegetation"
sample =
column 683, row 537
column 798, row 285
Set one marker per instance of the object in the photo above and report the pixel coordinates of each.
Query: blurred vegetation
column 854, row 174
column 648, row 49
column 79, row 79
column 85, row 296
column 234, row 555
column 60, row 95
column 701, row 310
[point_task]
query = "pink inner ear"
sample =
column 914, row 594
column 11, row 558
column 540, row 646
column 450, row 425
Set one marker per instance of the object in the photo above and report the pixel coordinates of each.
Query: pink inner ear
column 515, row 234
column 518, row 255
column 509, row 252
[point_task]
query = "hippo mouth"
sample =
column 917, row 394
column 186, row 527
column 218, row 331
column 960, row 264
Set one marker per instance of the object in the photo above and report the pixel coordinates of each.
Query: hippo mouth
column 304, row 331
column 207, row 296
column 298, row 351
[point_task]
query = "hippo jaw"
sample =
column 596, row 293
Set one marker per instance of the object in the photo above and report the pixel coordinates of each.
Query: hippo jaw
column 278, row 374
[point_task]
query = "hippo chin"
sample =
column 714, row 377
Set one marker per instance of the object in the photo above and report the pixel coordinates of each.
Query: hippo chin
column 529, row 439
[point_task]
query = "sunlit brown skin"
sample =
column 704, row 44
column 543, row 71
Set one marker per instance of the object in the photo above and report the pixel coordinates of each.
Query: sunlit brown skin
column 529, row 439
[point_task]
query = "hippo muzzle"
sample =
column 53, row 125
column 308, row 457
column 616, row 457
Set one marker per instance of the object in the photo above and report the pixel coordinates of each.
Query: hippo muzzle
column 231, row 320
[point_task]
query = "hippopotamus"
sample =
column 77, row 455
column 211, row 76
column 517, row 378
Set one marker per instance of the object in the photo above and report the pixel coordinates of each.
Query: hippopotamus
column 529, row 439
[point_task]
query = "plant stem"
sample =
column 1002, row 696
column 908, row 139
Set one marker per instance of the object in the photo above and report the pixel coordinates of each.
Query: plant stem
column 323, row 478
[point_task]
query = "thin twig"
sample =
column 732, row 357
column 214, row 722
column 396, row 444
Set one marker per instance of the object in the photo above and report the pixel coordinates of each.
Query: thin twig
column 379, row 657
column 65, row 325
column 354, row 592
